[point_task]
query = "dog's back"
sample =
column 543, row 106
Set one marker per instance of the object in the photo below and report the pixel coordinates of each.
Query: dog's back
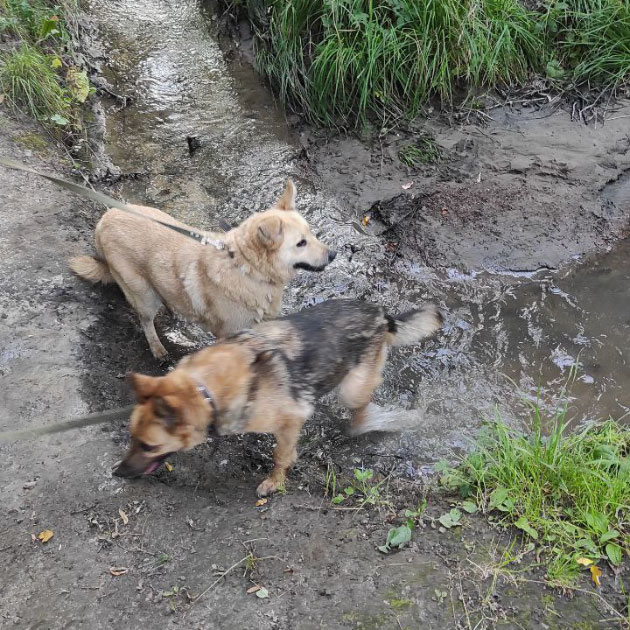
column 325, row 342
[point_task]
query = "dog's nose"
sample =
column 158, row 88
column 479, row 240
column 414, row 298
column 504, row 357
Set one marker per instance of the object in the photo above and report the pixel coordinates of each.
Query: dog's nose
column 332, row 254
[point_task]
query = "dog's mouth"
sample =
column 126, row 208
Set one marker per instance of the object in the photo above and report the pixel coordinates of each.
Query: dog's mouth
column 307, row 267
column 155, row 464
column 130, row 469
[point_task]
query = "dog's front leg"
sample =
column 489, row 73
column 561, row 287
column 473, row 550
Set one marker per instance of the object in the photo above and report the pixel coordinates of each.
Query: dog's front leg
column 284, row 456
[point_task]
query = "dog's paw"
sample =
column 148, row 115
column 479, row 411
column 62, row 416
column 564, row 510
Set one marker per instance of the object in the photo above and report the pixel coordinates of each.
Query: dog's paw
column 267, row 487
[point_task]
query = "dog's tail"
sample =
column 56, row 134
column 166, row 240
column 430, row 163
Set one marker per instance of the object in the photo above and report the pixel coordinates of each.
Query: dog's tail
column 92, row 269
column 414, row 325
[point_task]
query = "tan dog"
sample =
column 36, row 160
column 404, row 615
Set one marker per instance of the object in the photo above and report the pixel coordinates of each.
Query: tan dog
column 225, row 290
column 267, row 380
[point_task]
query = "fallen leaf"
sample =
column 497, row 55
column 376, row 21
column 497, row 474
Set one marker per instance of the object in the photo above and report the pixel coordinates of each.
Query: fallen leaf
column 33, row 538
column 169, row 467
column 261, row 502
column 585, row 562
column 123, row 516
column 253, row 589
column 262, row 592
column 365, row 220
column 407, row 186
column 116, row 571
column 46, row 535
column 596, row 573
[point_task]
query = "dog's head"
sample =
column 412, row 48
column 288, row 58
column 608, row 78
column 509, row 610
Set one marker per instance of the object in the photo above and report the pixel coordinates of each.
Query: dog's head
column 168, row 417
column 283, row 239
column 171, row 414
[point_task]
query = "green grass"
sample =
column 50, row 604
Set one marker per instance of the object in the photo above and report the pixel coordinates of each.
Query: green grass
column 36, row 70
column 424, row 151
column 347, row 62
column 29, row 82
column 568, row 492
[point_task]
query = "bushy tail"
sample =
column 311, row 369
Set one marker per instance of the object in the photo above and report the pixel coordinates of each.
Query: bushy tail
column 415, row 325
column 91, row 269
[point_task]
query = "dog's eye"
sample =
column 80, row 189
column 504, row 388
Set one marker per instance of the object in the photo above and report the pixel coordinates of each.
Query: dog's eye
column 147, row 448
column 302, row 243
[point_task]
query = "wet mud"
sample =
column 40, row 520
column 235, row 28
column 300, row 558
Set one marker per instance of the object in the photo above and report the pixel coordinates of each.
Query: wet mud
column 513, row 232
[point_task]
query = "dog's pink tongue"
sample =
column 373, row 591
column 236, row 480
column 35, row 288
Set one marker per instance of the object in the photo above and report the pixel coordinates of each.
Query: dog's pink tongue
column 153, row 466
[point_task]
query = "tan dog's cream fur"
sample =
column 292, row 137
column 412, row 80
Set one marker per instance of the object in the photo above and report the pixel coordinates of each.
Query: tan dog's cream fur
column 226, row 290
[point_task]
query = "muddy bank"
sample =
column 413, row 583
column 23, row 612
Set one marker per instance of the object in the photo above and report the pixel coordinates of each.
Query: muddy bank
column 527, row 190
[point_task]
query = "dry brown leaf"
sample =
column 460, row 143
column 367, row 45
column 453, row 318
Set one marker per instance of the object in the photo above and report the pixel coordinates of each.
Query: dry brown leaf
column 261, row 502
column 169, row 467
column 596, row 573
column 585, row 562
column 253, row 589
column 123, row 516
column 46, row 535
column 365, row 220
column 116, row 571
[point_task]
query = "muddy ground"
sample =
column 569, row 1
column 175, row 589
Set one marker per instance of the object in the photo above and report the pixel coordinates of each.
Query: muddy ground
column 527, row 190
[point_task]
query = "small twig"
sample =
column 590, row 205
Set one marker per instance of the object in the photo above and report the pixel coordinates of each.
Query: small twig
column 234, row 566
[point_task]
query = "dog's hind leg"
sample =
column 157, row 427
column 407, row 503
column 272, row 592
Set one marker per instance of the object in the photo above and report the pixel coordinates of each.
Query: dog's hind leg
column 356, row 389
column 146, row 302
column 284, row 456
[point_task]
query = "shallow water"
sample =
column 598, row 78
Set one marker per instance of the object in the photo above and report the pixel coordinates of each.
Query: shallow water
column 530, row 329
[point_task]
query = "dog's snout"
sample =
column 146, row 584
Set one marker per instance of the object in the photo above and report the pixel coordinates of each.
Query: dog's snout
column 125, row 470
column 332, row 254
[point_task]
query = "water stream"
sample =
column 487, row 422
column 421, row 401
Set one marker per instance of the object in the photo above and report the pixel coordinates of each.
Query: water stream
column 530, row 330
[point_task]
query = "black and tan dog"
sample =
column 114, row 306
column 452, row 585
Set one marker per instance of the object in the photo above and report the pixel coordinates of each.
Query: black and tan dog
column 267, row 379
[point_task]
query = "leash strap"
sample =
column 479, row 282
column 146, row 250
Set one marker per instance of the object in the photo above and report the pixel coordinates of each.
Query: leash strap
column 76, row 423
column 99, row 197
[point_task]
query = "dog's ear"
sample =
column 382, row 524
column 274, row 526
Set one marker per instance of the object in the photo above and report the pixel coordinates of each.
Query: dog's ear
column 144, row 386
column 287, row 200
column 164, row 411
column 270, row 232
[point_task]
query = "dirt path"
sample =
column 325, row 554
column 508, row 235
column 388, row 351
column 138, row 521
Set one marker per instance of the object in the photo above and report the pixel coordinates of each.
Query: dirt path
column 65, row 348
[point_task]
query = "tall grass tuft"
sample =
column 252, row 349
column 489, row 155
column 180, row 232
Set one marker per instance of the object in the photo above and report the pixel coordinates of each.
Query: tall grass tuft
column 592, row 39
column 341, row 61
column 344, row 62
column 29, row 82
column 37, row 72
column 568, row 492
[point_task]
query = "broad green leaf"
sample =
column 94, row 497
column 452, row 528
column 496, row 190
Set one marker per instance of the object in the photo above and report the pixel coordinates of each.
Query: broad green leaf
column 262, row 592
column 614, row 553
column 469, row 506
column 609, row 535
column 399, row 536
column 338, row 499
column 59, row 120
column 523, row 524
column 597, row 521
column 498, row 497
